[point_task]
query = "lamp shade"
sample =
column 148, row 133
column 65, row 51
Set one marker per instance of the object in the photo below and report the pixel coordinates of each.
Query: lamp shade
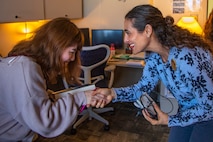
column 191, row 24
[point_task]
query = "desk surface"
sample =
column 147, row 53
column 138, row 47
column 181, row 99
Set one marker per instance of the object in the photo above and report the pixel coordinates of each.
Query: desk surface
column 133, row 61
column 126, row 63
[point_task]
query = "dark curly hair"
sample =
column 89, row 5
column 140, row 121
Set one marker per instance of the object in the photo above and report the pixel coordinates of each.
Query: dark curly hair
column 167, row 33
column 208, row 29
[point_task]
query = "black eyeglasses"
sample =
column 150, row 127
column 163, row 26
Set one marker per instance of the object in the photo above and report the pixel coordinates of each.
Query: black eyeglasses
column 146, row 102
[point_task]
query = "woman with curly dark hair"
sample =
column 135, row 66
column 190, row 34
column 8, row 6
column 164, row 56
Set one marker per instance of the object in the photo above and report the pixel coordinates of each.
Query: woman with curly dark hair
column 25, row 105
column 208, row 29
column 182, row 61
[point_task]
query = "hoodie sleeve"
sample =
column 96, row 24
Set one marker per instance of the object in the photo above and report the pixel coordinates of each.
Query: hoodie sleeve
column 38, row 112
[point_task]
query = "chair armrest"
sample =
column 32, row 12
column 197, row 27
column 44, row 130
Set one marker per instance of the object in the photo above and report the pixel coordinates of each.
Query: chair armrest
column 110, row 68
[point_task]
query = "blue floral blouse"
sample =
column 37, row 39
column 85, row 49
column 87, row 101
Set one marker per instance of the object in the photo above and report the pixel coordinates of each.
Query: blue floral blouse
column 188, row 75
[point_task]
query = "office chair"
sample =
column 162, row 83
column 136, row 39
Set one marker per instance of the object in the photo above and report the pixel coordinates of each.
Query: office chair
column 93, row 65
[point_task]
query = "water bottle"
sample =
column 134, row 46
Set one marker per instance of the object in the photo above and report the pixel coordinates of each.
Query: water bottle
column 112, row 50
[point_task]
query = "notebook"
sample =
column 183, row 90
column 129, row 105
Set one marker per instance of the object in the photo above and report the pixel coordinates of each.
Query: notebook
column 122, row 56
column 74, row 90
column 139, row 56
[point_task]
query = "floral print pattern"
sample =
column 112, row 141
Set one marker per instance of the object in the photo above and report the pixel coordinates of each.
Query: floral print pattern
column 191, row 83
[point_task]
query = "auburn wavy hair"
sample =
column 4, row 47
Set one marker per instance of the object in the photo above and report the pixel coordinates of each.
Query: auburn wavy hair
column 46, row 47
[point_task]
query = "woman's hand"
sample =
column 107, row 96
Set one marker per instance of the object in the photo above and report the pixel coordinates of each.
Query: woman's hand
column 103, row 96
column 50, row 94
column 162, row 118
column 99, row 97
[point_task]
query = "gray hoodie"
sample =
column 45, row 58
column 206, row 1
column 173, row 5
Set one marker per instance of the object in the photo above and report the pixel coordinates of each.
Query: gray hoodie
column 25, row 108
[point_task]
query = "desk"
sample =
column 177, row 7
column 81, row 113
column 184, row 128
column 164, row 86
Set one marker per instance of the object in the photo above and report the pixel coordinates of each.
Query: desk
column 127, row 72
column 128, row 60
column 126, row 63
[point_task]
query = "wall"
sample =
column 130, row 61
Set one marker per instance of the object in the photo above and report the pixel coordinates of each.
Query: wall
column 12, row 33
column 106, row 13
column 98, row 14
column 210, row 6
column 166, row 8
column 110, row 13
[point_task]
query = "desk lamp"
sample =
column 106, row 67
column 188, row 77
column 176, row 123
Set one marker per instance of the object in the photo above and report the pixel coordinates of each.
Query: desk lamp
column 191, row 24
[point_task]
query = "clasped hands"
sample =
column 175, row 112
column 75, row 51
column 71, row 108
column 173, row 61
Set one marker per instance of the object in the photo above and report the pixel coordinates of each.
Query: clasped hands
column 99, row 97
column 102, row 96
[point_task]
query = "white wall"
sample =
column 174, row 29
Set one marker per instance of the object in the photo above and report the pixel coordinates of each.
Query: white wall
column 166, row 8
column 110, row 13
column 210, row 6
column 8, row 37
column 12, row 33
column 98, row 14
column 107, row 14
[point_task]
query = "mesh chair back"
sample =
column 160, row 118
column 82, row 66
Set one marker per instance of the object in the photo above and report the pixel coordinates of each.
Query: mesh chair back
column 93, row 58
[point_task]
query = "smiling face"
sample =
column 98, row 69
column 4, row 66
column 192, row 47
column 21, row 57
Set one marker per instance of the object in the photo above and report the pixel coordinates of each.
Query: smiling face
column 138, row 41
column 69, row 54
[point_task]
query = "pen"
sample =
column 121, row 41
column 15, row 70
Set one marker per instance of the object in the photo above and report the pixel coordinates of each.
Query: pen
column 82, row 108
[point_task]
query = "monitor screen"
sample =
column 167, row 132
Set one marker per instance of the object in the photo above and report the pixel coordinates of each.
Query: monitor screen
column 108, row 36
column 85, row 32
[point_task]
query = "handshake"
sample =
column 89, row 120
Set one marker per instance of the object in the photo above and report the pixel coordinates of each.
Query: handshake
column 102, row 96
column 99, row 97
column 96, row 97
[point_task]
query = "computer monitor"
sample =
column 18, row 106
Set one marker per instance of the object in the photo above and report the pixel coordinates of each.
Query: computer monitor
column 108, row 36
column 85, row 32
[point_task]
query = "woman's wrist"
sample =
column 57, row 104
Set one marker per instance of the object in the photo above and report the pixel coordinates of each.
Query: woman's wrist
column 113, row 93
column 88, row 97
